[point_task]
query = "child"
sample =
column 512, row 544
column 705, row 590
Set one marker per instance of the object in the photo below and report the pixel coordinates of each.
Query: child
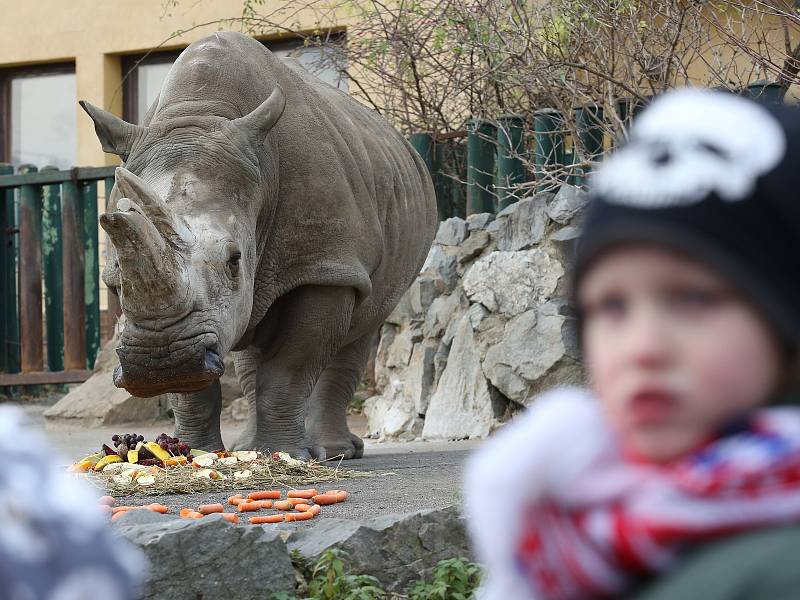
column 687, row 287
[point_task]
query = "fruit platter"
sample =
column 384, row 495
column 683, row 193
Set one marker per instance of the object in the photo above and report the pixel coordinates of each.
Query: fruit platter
column 132, row 465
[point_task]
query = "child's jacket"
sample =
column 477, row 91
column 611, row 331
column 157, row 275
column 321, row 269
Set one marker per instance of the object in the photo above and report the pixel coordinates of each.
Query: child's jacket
column 557, row 512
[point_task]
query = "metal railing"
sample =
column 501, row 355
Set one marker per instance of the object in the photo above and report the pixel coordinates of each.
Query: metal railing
column 49, row 274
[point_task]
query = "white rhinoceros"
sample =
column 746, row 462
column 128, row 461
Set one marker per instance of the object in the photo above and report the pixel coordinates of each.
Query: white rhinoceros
column 263, row 212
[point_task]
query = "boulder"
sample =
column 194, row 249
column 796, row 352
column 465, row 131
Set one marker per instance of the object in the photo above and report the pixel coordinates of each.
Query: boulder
column 238, row 410
column 396, row 549
column 440, row 268
column 451, row 232
column 441, row 311
column 421, row 295
column 208, row 558
column 532, row 344
column 479, row 221
column 476, row 243
column 461, row 406
column 392, row 414
column 513, row 282
column 419, row 376
column 399, row 352
column 522, row 224
column 568, row 202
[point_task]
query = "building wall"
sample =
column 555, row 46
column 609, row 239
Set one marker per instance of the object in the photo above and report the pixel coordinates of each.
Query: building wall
column 95, row 34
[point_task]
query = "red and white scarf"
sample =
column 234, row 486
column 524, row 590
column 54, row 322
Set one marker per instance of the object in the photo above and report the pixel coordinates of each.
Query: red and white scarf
column 557, row 513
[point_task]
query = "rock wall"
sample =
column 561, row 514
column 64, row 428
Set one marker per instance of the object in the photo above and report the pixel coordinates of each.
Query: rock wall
column 484, row 327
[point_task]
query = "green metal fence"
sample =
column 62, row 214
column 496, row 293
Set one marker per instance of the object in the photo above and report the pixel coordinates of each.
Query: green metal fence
column 49, row 275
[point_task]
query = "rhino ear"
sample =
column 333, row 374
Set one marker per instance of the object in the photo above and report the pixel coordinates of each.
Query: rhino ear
column 258, row 123
column 116, row 136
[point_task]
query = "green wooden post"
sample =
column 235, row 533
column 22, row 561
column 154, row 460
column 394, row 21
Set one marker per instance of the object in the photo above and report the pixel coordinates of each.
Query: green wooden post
column 441, row 183
column 458, row 189
column 510, row 170
column 9, row 318
column 424, row 145
column 91, row 280
column 480, row 166
column 53, row 280
column 589, row 142
column 548, row 129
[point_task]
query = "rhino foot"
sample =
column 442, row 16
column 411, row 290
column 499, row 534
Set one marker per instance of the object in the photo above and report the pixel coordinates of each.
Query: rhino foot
column 349, row 446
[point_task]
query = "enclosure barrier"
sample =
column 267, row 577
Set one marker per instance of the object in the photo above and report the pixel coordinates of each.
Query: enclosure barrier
column 49, row 265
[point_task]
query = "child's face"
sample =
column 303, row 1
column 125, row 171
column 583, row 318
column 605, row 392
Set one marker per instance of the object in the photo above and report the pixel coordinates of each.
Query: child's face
column 673, row 352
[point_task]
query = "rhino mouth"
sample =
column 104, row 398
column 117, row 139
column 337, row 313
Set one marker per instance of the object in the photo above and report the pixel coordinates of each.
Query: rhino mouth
column 143, row 381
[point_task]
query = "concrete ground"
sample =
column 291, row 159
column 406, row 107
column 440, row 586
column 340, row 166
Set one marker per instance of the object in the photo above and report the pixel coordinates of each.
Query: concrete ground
column 407, row 476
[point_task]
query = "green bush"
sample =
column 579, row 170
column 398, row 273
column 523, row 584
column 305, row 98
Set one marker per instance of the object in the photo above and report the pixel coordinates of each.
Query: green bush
column 453, row 579
column 330, row 579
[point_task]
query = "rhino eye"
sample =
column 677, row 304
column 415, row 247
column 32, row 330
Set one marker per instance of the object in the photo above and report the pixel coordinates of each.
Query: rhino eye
column 233, row 263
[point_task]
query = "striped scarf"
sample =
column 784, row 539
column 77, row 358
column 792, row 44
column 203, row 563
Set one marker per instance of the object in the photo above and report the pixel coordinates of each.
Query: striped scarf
column 592, row 523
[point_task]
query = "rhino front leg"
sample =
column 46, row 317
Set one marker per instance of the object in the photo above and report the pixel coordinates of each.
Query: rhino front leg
column 246, row 363
column 197, row 417
column 306, row 333
column 326, row 422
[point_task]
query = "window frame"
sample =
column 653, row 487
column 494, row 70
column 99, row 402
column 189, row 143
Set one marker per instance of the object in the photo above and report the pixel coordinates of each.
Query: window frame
column 7, row 74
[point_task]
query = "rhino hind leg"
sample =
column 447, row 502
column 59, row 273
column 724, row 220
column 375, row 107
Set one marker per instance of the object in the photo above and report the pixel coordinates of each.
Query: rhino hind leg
column 326, row 423
column 246, row 364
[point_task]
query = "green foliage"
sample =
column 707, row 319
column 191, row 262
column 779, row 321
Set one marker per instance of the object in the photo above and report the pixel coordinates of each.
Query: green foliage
column 330, row 579
column 453, row 579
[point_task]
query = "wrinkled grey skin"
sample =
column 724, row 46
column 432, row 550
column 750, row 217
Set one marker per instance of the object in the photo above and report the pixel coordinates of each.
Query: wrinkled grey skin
column 263, row 212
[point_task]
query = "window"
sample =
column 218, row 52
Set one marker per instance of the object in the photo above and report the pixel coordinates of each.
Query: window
column 146, row 74
column 38, row 116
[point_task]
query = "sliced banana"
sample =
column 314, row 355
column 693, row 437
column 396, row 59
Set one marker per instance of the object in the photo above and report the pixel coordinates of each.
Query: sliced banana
column 209, row 474
column 205, row 460
column 245, row 455
column 242, row 474
column 114, row 466
column 145, row 480
column 228, row 460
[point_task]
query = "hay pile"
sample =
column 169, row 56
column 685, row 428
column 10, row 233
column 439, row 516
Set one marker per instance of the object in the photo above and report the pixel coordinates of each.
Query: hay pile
column 187, row 479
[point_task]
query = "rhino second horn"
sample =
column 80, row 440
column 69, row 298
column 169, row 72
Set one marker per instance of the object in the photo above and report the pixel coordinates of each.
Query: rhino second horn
column 153, row 281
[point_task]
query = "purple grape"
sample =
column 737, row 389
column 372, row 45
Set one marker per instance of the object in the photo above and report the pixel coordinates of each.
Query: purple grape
column 140, row 438
column 164, row 445
column 115, row 438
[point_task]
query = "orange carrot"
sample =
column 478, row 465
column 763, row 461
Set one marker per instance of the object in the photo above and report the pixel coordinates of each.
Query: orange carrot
column 341, row 495
column 185, row 512
column 175, row 460
column 303, row 516
column 283, row 505
column 302, row 507
column 107, row 500
column 265, row 503
column 207, row 509
column 314, row 510
column 267, row 519
column 306, row 494
column 265, row 495
column 230, row 517
column 249, row 506
column 116, row 509
column 296, row 501
column 235, row 500
column 159, row 508
column 324, row 499
column 195, row 515
column 118, row 514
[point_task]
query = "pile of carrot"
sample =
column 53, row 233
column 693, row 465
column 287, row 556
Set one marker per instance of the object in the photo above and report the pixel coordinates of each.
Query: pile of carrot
column 305, row 505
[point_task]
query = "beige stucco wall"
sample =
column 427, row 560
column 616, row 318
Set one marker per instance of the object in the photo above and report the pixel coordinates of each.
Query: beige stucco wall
column 96, row 33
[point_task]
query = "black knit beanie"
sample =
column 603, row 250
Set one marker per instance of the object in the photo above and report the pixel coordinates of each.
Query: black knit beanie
column 716, row 176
